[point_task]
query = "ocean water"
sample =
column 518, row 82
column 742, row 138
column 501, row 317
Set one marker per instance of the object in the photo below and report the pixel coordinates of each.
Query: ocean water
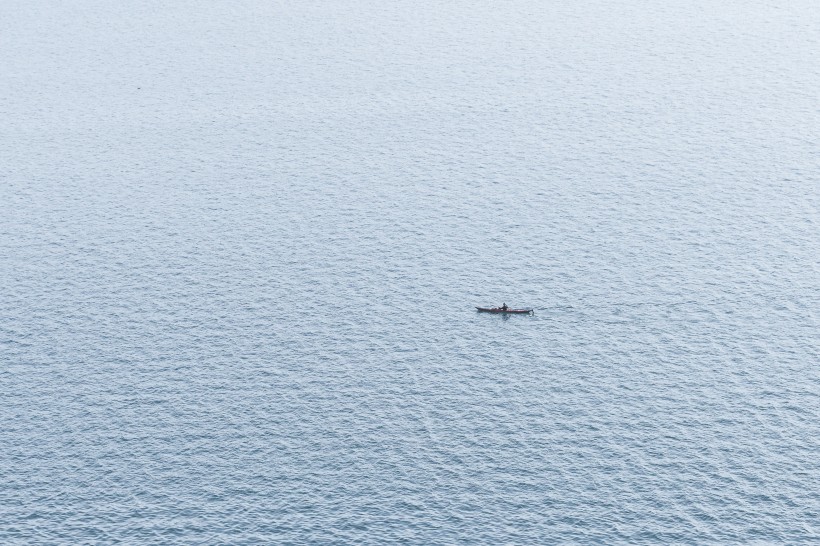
column 241, row 244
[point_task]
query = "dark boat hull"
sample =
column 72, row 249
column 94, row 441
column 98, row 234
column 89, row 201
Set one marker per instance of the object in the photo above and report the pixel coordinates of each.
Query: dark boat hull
column 503, row 312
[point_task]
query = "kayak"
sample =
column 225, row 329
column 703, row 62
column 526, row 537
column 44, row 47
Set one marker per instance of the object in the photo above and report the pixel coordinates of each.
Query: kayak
column 500, row 310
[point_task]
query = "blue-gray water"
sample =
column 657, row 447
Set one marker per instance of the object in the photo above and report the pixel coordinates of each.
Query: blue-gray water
column 241, row 242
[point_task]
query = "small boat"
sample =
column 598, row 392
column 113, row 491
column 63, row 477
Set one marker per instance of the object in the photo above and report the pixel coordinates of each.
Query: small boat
column 509, row 310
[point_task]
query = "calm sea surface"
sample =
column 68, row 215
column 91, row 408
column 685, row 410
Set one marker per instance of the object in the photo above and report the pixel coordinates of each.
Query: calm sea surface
column 241, row 243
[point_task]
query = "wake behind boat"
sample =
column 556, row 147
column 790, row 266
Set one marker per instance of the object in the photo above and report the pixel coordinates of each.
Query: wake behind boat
column 504, row 310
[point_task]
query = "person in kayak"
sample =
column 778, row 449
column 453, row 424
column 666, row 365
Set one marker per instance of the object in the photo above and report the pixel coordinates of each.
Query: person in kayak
column 504, row 307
